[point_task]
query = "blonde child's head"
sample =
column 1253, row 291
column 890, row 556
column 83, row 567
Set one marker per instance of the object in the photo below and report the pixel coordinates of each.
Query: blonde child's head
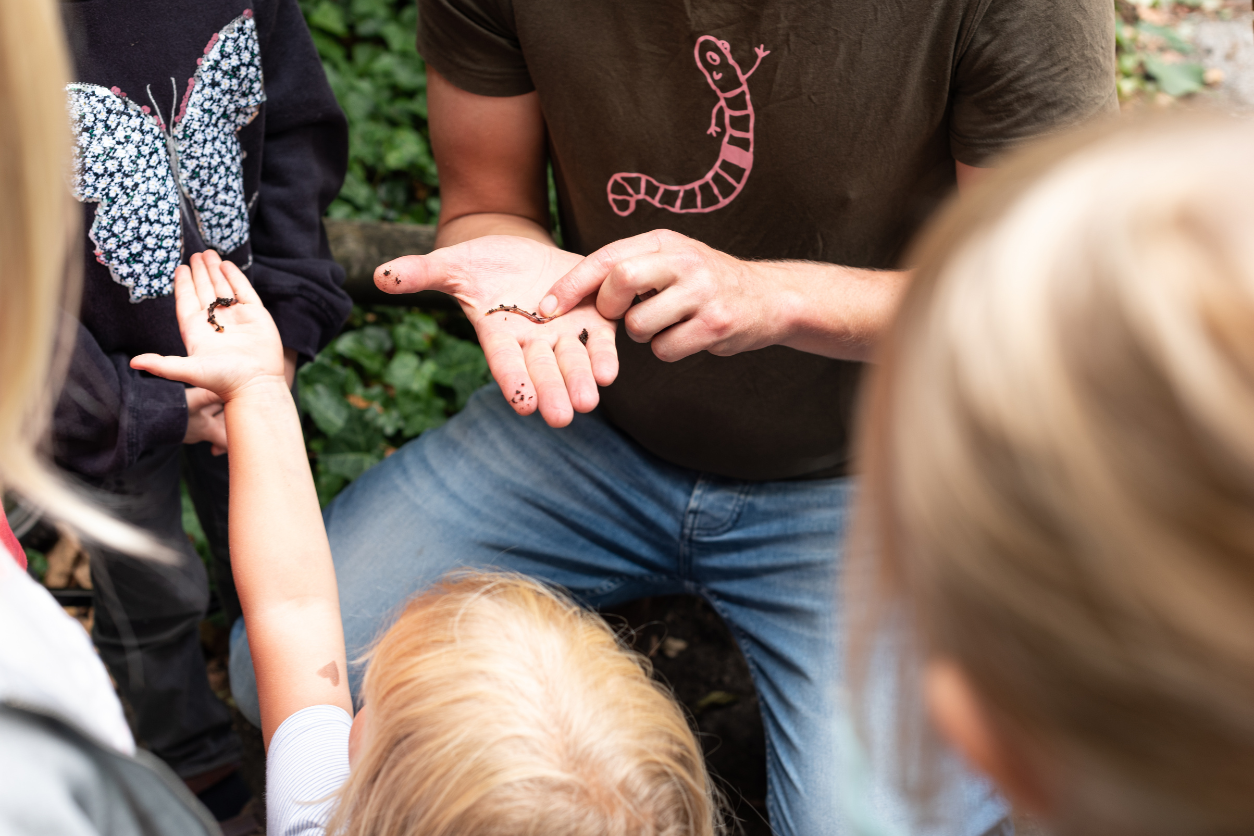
column 1059, row 461
column 497, row 706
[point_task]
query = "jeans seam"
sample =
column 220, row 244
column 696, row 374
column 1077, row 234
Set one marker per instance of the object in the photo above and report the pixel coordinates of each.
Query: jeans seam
column 691, row 512
column 733, row 518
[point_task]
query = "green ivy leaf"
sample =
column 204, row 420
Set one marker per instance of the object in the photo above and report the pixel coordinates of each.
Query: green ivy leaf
column 328, row 485
column 405, row 149
column 421, row 412
column 390, row 421
column 358, row 436
column 461, row 366
column 407, row 373
column 1176, row 79
column 37, row 563
column 1169, row 35
column 368, row 347
column 348, row 465
column 331, row 51
column 415, row 332
column 328, row 17
column 323, row 371
column 1129, row 63
column 326, row 406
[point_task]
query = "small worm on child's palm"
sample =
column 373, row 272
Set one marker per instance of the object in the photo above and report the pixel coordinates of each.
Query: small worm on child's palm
column 220, row 302
column 515, row 309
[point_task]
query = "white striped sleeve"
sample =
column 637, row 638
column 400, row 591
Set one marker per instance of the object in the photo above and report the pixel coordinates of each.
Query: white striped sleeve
column 307, row 762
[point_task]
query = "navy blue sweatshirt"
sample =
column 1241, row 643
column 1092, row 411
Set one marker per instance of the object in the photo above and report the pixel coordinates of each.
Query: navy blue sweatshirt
column 198, row 124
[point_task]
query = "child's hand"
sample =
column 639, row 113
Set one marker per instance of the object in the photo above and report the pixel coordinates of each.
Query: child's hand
column 206, row 419
column 246, row 351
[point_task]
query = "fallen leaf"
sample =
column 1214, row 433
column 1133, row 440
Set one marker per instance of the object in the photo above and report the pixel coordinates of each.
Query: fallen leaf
column 716, row 699
column 672, row 647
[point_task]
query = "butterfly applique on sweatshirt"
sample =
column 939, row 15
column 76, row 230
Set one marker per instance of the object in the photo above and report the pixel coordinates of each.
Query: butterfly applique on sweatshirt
column 156, row 183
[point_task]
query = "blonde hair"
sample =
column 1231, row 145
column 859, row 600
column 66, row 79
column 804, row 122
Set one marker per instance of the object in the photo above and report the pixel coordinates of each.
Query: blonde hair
column 38, row 243
column 1059, row 471
column 498, row 706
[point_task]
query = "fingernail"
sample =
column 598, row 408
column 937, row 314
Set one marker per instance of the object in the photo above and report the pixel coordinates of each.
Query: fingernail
column 548, row 305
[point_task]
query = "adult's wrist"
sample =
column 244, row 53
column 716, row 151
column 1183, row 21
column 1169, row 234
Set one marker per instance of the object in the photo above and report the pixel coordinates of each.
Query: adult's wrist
column 832, row 310
column 787, row 309
column 479, row 224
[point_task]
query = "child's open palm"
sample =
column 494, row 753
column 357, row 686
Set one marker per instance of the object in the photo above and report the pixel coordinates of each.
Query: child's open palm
column 244, row 347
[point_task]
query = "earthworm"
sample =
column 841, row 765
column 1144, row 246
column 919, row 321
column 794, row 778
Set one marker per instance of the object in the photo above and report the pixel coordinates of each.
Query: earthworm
column 515, row 309
column 220, row 302
column 735, row 158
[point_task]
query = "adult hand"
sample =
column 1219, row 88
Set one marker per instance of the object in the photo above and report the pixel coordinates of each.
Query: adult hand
column 206, row 419
column 694, row 298
column 554, row 366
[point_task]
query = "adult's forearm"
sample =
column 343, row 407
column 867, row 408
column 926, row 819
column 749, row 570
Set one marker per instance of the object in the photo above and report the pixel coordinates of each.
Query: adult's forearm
column 479, row 224
column 833, row 311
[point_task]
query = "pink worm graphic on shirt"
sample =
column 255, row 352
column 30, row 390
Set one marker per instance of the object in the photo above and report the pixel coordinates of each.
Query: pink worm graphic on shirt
column 735, row 159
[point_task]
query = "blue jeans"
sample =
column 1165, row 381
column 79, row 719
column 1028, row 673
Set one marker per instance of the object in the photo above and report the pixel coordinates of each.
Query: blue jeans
column 587, row 509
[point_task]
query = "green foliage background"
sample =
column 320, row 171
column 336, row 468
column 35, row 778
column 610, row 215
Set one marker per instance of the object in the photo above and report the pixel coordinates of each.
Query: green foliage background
column 368, row 51
column 393, row 373
column 1142, row 47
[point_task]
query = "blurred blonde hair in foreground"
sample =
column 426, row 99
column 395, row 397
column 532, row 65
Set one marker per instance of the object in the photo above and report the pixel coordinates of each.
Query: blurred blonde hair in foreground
column 497, row 706
column 1058, row 453
column 38, row 248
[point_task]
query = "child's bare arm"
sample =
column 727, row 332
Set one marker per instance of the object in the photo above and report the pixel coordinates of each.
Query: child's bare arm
column 279, row 551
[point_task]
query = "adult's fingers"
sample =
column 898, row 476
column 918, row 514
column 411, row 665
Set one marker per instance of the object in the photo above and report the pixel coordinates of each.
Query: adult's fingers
column 683, row 340
column 221, row 287
column 588, row 275
column 576, row 369
column 655, row 280
column 412, row 273
column 241, row 287
column 509, row 370
column 551, row 394
column 182, row 369
column 603, row 354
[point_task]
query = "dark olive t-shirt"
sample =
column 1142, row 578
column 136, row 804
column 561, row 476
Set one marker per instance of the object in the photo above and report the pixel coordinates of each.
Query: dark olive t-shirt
column 773, row 129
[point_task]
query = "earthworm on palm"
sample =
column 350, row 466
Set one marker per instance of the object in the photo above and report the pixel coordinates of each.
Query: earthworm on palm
column 534, row 317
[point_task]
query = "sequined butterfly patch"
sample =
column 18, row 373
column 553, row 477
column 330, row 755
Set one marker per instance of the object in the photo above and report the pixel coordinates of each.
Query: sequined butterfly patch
column 150, row 178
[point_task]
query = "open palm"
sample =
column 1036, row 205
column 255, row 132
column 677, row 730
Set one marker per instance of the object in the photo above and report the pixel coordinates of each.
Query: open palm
column 247, row 349
column 554, row 366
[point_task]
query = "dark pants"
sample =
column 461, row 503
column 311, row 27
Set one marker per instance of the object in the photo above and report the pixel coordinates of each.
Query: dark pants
column 148, row 613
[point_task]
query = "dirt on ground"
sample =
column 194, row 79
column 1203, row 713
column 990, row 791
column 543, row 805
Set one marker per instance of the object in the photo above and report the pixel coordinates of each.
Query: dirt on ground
column 694, row 653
